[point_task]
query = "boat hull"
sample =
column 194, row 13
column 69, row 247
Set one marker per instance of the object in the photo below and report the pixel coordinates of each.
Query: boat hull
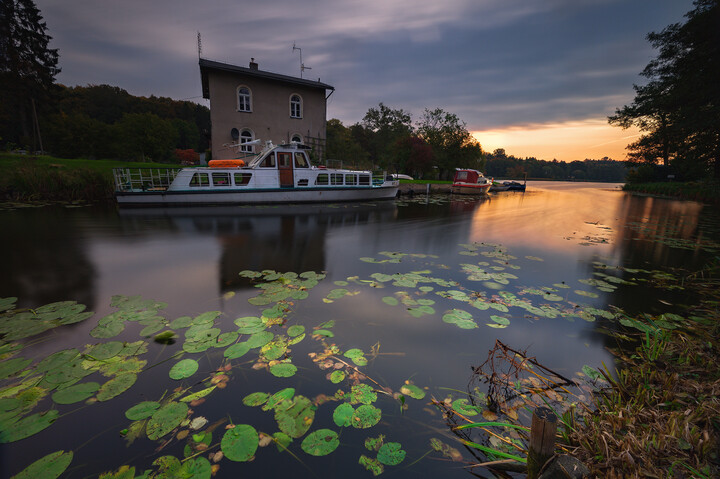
column 255, row 196
column 470, row 190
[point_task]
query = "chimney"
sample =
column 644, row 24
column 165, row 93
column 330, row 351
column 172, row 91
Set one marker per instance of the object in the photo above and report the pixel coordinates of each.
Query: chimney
column 253, row 65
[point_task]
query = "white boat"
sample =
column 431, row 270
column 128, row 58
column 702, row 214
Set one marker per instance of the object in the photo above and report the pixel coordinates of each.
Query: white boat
column 278, row 174
column 470, row 182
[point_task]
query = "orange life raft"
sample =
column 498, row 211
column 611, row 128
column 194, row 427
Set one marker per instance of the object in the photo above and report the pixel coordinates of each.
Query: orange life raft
column 226, row 163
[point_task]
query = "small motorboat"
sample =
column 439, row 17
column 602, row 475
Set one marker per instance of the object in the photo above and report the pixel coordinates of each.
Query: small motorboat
column 470, row 182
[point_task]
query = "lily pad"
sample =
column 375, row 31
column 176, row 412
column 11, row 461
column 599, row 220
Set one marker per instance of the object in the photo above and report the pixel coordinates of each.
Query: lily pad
column 342, row 416
column 283, row 370
column 237, row 350
column 321, row 442
column 28, row 426
column 49, row 467
column 294, row 417
column 184, row 369
column 337, row 376
column 412, row 391
column 391, row 454
column 165, row 419
column 255, row 399
column 142, row 410
column 362, row 393
column 366, row 416
column 240, row 443
column 116, row 386
column 75, row 393
column 295, row 330
column 12, row 366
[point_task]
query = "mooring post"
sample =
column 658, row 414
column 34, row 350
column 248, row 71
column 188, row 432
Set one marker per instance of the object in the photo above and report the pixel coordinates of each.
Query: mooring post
column 542, row 440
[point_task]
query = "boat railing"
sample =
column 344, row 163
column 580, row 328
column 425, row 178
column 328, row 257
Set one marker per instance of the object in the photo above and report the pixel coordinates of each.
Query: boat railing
column 144, row 179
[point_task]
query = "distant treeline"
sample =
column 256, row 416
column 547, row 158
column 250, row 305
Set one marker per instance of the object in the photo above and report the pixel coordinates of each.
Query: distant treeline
column 103, row 121
column 500, row 165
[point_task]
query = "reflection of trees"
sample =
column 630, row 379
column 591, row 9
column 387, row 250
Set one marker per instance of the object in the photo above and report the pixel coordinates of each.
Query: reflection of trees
column 44, row 258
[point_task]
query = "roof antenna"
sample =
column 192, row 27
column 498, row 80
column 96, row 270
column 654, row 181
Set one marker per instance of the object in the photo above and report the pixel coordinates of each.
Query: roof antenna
column 302, row 65
column 199, row 45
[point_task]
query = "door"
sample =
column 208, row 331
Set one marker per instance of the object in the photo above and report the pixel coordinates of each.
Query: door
column 285, row 169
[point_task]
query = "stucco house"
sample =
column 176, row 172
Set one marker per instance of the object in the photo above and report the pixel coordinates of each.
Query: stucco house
column 247, row 103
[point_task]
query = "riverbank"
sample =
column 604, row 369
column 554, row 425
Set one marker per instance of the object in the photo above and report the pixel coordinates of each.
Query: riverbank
column 703, row 191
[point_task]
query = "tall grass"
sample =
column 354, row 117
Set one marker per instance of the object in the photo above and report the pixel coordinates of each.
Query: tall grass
column 704, row 191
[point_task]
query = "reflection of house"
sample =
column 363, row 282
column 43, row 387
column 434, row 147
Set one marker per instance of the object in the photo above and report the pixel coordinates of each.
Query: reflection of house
column 248, row 104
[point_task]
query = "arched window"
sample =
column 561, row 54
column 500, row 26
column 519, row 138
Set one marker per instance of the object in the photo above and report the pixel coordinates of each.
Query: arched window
column 296, row 138
column 245, row 137
column 243, row 99
column 295, row 106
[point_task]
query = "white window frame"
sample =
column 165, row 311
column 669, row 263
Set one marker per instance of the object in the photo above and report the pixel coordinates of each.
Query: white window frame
column 302, row 140
column 296, row 106
column 246, row 135
column 246, row 104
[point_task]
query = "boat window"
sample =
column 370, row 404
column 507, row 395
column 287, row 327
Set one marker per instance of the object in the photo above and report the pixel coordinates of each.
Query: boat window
column 284, row 160
column 462, row 175
column 303, row 182
column 269, row 161
column 242, row 179
column 243, row 98
column 350, row 179
column 364, row 179
column 322, row 179
column 221, row 178
column 336, row 179
column 200, row 179
column 300, row 160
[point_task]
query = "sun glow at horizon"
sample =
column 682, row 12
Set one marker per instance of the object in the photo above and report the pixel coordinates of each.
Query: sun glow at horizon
column 568, row 141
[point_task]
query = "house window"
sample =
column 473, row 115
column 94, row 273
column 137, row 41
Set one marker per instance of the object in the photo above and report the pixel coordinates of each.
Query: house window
column 295, row 106
column 242, row 179
column 296, row 139
column 243, row 99
column 245, row 137
column 200, row 179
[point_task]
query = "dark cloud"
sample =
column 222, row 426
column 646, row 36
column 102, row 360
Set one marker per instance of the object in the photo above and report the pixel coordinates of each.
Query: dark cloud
column 494, row 63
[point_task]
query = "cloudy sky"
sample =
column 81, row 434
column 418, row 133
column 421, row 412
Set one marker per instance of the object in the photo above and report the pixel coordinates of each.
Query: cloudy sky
column 536, row 77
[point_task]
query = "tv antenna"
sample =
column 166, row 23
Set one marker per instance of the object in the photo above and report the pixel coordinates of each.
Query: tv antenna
column 199, row 42
column 302, row 65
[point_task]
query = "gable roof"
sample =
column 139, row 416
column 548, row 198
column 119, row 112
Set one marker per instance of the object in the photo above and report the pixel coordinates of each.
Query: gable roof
column 209, row 65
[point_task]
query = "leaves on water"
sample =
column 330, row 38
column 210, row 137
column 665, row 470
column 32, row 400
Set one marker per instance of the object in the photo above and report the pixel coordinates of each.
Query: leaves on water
column 184, row 369
column 75, row 393
column 165, row 419
column 391, row 454
column 240, row 443
column 321, row 442
column 142, row 410
column 366, row 416
column 283, row 370
column 48, row 467
column 412, row 390
column 116, row 386
column 27, row 426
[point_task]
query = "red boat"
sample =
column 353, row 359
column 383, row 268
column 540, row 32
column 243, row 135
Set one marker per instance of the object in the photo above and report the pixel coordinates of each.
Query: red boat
column 470, row 182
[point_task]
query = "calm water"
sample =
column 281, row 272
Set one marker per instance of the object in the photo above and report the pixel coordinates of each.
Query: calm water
column 556, row 236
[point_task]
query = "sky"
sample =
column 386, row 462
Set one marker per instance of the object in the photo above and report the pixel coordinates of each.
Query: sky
column 535, row 77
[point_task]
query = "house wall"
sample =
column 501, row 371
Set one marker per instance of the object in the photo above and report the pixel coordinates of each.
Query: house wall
column 270, row 116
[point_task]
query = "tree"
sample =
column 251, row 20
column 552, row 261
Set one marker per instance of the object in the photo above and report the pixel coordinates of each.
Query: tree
column 679, row 107
column 413, row 156
column 146, row 137
column 386, row 126
column 27, row 70
column 452, row 145
column 341, row 145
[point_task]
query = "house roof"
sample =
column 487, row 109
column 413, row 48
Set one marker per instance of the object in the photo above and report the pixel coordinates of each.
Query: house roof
column 210, row 65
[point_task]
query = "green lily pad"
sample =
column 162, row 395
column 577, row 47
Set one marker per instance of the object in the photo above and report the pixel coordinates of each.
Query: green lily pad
column 10, row 367
column 412, row 391
column 282, row 440
column 366, row 416
column 105, row 350
column 165, row 419
column 142, row 410
column 240, row 443
column 181, row 322
column 237, row 350
column 362, row 393
column 391, row 454
column 28, row 426
column 75, row 393
column 278, row 398
column 465, row 408
column 49, row 467
column 342, row 416
column 116, row 386
column 389, row 300
column 500, row 320
column 255, row 399
column 275, row 349
column 321, row 442
column 283, row 370
column 198, row 395
column 295, row 330
column 184, row 369
column 249, row 325
column 260, row 339
column 294, row 417
column 371, row 464
column 337, row 376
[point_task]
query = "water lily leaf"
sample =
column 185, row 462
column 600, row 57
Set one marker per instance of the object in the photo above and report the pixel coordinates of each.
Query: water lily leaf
column 240, row 443
column 49, row 467
column 282, row 440
column 295, row 330
column 362, row 393
column 105, row 350
column 464, row 407
column 500, row 320
column 324, row 332
column 321, row 442
column 7, row 304
column 279, row 397
column 342, row 416
column 151, row 329
column 295, row 417
column 587, row 294
column 366, row 416
column 206, row 318
column 249, row 325
column 76, row 393
column 412, row 391
column 255, row 399
column 391, row 454
column 390, row 301
column 165, row 419
column 184, row 369
column 10, row 367
column 274, row 349
column 57, row 360
column 142, row 410
column 371, row 464
column 27, row 426
column 353, row 353
column 116, row 386
column 283, row 370
column 226, row 339
column 198, row 395
column 337, row 293
column 337, row 376
column 181, row 322
column 109, row 329
column 260, row 339
column 236, row 350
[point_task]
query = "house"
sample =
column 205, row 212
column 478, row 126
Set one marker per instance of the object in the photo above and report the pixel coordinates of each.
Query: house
column 247, row 104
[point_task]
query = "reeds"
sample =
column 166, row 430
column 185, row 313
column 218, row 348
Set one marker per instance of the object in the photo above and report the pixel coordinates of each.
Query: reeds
column 47, row 183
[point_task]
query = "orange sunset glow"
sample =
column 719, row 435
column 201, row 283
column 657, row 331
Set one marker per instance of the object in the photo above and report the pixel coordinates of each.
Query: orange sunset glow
column 568, row 141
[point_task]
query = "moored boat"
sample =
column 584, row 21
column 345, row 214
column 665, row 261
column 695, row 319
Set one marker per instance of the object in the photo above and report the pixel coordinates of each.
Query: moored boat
column 507, row 186
column 278, row 174
column 470, row 182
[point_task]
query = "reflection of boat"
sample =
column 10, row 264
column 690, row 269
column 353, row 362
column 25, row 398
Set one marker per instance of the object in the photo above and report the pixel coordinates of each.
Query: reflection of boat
column 278, row 174
column 470, row 182
column 507, row 186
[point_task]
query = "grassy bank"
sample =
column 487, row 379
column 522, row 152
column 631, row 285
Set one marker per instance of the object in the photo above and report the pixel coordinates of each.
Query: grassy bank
column 44, row 178
column 703, row 191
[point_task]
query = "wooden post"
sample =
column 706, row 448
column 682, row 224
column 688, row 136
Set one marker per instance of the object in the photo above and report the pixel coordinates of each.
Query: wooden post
column 542, row 440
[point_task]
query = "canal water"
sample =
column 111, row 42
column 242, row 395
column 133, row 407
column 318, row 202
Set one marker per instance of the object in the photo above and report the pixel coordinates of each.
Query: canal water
column 358, row 315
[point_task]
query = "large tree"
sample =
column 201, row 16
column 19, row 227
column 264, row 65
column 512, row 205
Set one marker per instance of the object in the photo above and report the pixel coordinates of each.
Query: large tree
column 385, row 126
column 27, row 70
column 679, row 107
